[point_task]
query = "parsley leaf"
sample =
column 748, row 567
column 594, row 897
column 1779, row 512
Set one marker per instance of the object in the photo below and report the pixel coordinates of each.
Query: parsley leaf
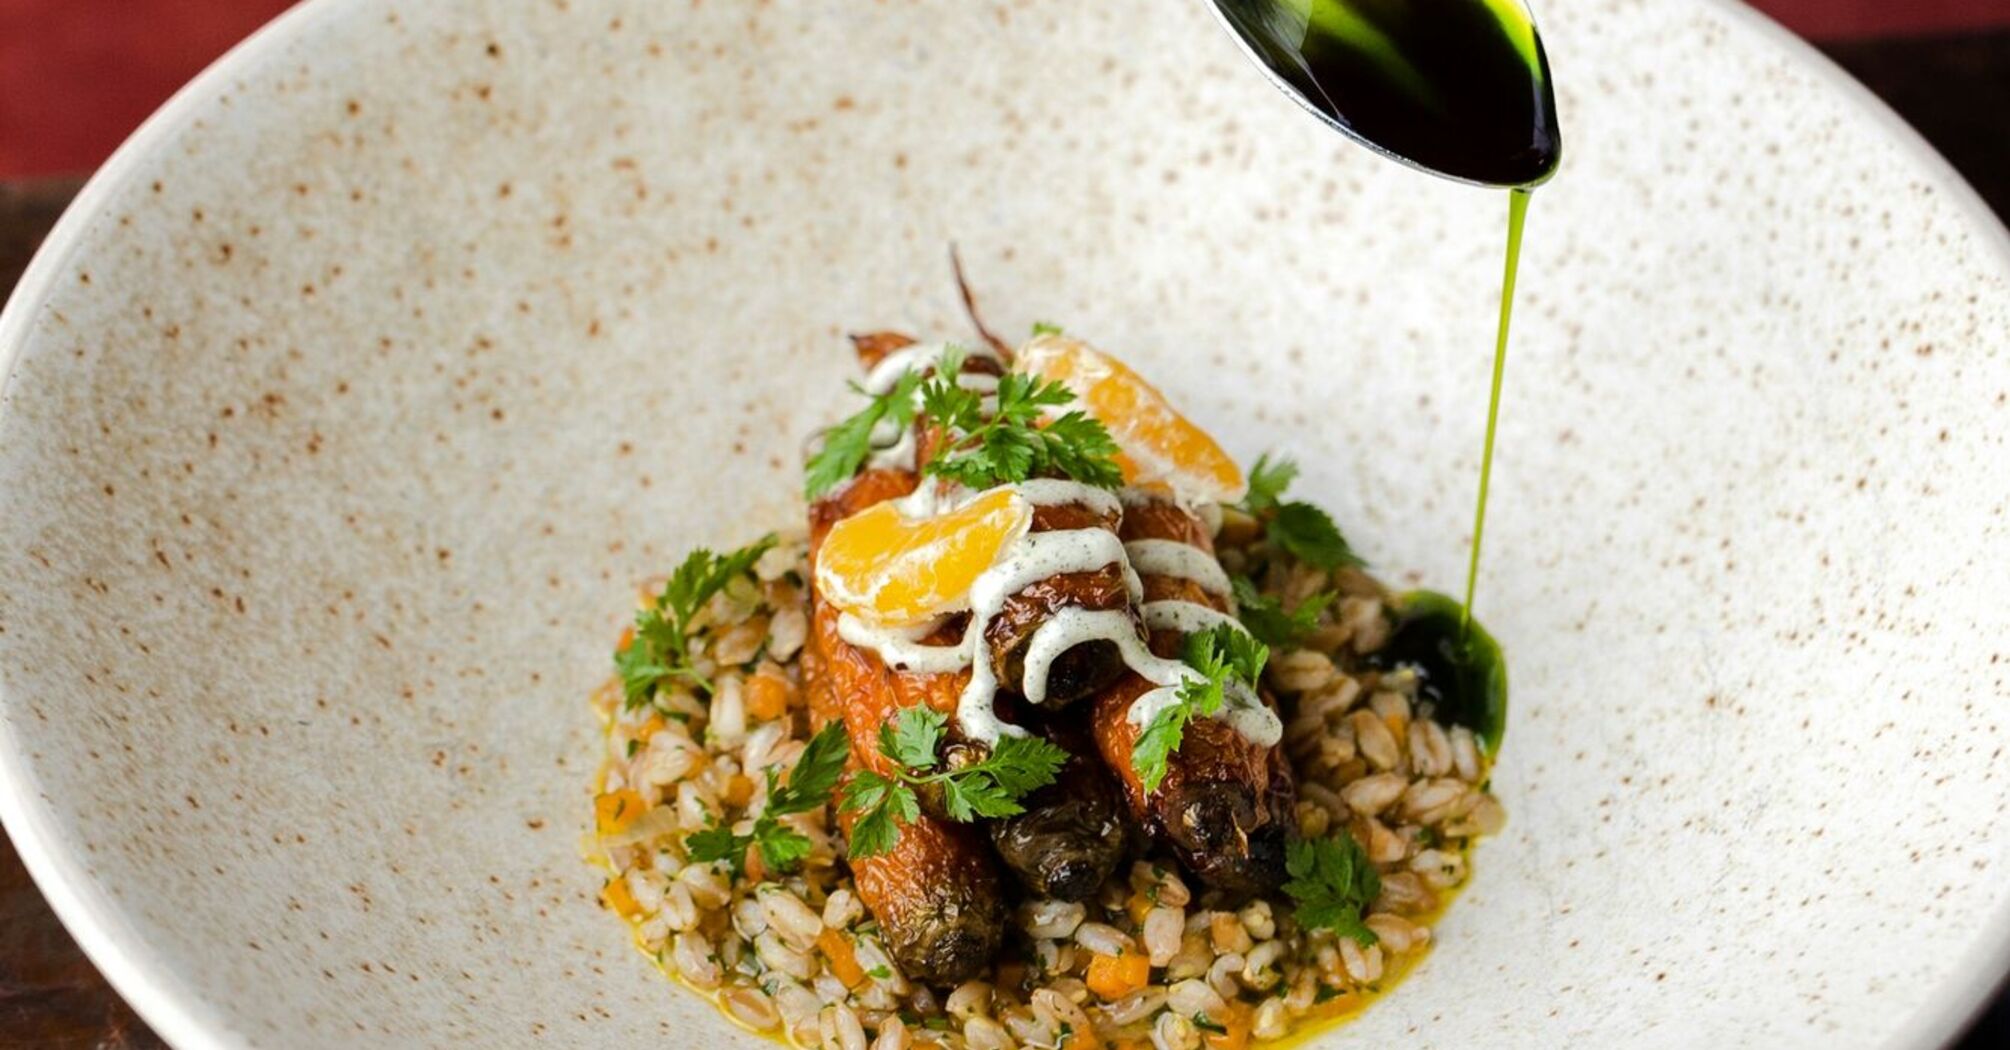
column 1218, row 656
column 808, row 787
column 1310, row 535
column 1016, row 441
column 846, row 445
column 912, row 737
column 1267, row 618
column 991, row 787
column 1267, row 481
column 661, row 648
column 1041, row 328
column 1300, row 529
column 1333, row 882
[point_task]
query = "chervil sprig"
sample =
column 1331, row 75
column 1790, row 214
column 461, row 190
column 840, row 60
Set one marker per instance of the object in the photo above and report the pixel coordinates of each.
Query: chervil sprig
column 661, row 648
column 1219, row 656
column 1270, row 622
column 1017, row 766
column 808, row 788
column 1010, row 442
column 847, row 445
column 1333, row 883
column 1298, row 528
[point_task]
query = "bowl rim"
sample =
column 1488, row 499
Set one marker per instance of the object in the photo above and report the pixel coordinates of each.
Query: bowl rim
column 185, row 1020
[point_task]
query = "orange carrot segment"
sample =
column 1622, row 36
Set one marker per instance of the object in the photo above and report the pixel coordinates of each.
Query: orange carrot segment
column 615, row 810
column 616, row 894
column 1114, row 976
column 739, row 790
column 843, row 959
column 767, row 697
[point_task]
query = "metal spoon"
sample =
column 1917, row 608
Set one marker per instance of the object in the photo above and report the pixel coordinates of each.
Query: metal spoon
column 1457, row 88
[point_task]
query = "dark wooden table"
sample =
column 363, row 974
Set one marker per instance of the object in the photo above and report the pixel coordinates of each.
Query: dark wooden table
column 1956, row 90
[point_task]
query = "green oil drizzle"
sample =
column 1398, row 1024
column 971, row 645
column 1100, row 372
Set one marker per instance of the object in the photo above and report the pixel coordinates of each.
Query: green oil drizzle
column 1517, row 212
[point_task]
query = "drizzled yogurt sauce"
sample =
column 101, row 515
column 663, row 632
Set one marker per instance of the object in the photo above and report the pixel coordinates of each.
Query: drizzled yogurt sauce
column 1037, row 556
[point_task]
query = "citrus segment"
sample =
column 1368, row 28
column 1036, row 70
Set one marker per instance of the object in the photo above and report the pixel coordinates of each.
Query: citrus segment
column 882, row 567
column 1157, row 443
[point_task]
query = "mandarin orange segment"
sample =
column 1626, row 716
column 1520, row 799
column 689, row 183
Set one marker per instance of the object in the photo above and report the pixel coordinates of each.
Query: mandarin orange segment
column 882, row 567
column 1157, row 443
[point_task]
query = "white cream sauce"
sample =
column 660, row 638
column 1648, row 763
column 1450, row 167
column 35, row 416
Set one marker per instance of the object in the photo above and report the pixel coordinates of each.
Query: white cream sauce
column 1183, row 560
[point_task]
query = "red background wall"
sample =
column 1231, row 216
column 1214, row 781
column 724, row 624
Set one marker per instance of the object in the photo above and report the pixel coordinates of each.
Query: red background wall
column 77, row 75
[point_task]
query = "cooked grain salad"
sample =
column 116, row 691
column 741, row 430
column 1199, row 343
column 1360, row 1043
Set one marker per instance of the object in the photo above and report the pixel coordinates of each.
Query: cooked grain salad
column 1052, row 730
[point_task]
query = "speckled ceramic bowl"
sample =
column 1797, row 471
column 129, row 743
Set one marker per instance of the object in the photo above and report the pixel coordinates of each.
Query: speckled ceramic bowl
column 346, row 403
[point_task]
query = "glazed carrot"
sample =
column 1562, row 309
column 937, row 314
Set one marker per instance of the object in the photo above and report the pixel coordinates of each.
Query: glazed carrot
column 936, row 892
column 1225, row 805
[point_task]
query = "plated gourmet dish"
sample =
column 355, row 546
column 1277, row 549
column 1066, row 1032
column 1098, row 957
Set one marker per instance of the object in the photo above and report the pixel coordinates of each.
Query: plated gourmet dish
column 1052, row 729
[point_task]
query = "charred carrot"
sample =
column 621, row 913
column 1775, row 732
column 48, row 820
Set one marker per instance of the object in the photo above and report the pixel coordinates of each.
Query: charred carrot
column 1225, row 805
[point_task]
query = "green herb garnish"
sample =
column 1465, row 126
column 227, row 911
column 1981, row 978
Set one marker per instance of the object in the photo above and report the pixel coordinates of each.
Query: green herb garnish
column 1267, row 618
column 1010, row 443
column 1041, row 328
column 808, row 787
column 847, row 444
column 991, row 788
column 661, row 648
column 1298, row 528
column 1333, row 882
column 1219, row 655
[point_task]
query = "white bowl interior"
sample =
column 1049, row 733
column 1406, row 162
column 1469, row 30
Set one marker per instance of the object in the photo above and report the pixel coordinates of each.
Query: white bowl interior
column 345, row 409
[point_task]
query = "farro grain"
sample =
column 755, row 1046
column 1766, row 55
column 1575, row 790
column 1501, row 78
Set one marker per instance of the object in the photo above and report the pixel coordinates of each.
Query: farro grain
column 1137, row 1006
column 751, row 1007
column 1173, row 1032
column 1049, row 918
column 893, row 1035
column 982, row 1033
column 840, row 1029
column 1163, row 929
column 1377, row 744
column 1102, row 938
column 1364, row 965
column 692, row 955
column 969, row 999
column 1371, row 795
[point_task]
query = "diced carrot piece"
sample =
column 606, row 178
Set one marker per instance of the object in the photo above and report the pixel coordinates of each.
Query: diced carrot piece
column 1081, row 1039
column 615, row 810
column 739, row 789
column 1139, row 906
column 843, row 959
column 1114, row 976
column 616, row 894
column 766, row 697
column 627, row 639
column 757, row 871
column 650, row 728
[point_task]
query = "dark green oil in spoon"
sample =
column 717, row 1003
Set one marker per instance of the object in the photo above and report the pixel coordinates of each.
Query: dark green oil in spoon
column 1459, row 88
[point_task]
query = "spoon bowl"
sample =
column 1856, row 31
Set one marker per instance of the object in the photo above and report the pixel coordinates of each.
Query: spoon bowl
column 1457, row 88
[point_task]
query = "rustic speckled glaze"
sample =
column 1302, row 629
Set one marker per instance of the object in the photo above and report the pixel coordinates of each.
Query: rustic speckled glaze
column 346, row 404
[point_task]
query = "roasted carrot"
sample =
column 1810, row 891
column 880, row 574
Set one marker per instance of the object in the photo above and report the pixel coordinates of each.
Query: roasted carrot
column 936, row 893
column 1225, row 806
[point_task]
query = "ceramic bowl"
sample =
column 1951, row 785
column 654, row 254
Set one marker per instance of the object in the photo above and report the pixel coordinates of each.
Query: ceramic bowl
column 347, row 402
